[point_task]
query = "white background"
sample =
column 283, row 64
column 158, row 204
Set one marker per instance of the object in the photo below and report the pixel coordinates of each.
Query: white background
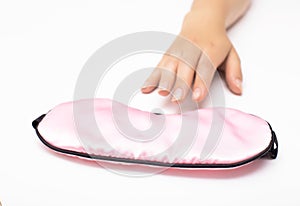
column 43, row 46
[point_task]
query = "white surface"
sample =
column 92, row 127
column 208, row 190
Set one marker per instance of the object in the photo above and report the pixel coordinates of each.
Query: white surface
column 43, row 46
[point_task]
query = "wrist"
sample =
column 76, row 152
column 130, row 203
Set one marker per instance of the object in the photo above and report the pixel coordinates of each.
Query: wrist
column 206, row 19
column 212, row 11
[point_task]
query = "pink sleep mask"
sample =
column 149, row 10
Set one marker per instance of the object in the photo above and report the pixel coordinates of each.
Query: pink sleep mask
column 105, row 130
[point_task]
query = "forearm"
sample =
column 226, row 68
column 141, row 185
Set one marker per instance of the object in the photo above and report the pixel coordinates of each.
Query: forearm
column 226, row 11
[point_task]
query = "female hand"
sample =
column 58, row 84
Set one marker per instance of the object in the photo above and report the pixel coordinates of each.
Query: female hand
column 190, row 68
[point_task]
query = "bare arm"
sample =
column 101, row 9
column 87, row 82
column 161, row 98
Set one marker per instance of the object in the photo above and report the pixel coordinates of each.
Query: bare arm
column 228, row 10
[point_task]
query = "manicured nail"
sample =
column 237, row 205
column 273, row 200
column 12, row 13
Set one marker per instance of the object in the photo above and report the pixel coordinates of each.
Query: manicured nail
column 177, row 95
column 197, row 93
column 238, row 83
column 147, row 87
column 163, row 89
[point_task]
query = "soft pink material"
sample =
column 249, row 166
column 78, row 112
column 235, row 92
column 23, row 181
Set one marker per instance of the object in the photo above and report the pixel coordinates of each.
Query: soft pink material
column 242, row 136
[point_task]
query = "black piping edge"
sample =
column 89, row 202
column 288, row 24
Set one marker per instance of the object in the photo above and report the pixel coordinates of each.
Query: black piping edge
column 270, row 152
column 273, row 151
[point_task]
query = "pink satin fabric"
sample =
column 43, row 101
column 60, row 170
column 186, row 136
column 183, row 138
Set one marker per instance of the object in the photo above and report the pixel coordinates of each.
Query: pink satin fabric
column 70, row 126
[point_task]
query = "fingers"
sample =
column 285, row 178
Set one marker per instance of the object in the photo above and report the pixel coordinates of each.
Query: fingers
column 187, row 55
column 172, row 72
column 185, row 75
column 168, row 67
column 177, row 74
column 233, row 72
column 203, row 77
column 185, row 66
column 162, row 77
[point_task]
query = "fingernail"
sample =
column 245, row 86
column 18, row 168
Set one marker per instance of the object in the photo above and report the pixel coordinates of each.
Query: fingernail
column 164, row 91
column 238, row 83
column 197, row 93
column 177, row 95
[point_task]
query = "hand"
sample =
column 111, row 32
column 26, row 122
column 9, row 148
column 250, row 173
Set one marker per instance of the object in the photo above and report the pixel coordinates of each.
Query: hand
column 207, row 31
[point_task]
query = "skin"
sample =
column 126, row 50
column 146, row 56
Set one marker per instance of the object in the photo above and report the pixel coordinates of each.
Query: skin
column 205, row 26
